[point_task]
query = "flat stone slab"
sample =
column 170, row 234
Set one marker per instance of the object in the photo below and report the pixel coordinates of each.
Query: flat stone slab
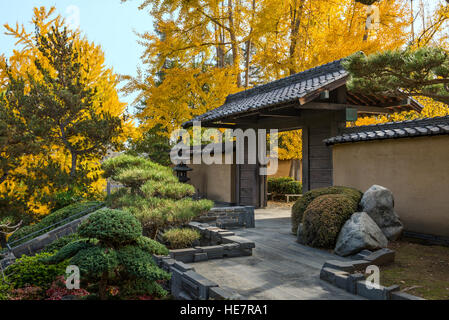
column 279, row 268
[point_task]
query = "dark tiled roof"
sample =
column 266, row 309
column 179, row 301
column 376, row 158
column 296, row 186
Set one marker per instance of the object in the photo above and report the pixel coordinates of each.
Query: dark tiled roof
column 392, row 130
column 284, row 90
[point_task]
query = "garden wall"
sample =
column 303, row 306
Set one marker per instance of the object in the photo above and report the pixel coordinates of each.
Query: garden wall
column 416, row 170
column 35, row 245
column 230, row 217
column 214, row 182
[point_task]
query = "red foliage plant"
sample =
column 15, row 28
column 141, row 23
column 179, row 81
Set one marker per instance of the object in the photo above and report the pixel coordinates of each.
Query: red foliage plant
column 58, row 290
column 27, row 293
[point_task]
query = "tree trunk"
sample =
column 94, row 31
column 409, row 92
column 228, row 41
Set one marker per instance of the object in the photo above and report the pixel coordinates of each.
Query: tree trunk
column 2, row 240
column 74, row 160
column 295, row 16
column 235, row 49
column 3, row 177
column 103, row 287
column 248, row 50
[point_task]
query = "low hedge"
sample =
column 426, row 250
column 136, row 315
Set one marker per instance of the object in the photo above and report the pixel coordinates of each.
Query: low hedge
column 57, row 216
column 284, row 185
column 324, row 218
column 300, row 206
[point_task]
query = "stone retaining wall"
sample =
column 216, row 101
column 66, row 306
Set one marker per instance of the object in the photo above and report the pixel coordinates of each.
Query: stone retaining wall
column 35, row 245
column 230, row 217
column 186, row 284
column 225, row 245
column 349, row 276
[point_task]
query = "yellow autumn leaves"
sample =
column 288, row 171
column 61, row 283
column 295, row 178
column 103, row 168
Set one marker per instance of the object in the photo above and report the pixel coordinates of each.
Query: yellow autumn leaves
column 98, row 76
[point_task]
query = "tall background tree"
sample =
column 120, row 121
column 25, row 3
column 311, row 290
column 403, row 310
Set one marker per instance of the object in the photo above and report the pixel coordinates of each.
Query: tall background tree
column 203, row 50
column 57, row 87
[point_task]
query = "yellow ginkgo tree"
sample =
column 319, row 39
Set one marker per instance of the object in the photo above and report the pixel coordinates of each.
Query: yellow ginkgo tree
column 57, row 87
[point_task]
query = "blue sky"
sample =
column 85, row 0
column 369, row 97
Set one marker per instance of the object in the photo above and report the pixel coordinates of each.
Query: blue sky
column 108, row 23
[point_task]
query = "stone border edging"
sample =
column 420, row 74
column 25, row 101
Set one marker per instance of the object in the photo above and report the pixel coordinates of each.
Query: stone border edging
column 231, row 217
column 231, row 245
column 186, row 284
column 36, row 244
column 342, row 274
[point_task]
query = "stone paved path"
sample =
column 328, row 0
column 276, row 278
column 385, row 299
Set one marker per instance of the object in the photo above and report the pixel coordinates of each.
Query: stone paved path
column 280, row 268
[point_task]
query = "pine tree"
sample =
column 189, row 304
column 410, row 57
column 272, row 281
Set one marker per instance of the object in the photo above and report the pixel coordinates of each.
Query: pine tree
column 59, row 108
column 422, row 72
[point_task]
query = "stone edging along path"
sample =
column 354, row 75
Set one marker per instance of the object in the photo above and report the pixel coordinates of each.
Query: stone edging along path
column 228, row 245
column 344, row 275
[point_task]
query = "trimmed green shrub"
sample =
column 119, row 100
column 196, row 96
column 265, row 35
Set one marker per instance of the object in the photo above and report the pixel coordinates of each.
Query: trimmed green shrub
column 161, row 189
column 324, row 218
column 178, row 238
column 58, row 244
column 112, row 227
column 301, row 204
column 5, row 289
column 65, row 198
column 33, row 272
column 284, row 185
column 115, row 255
column 152, row 194
column 57, row 216
column 113, row 165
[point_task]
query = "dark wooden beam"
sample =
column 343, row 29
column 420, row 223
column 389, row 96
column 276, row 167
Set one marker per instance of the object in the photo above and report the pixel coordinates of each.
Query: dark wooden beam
column 219, row 125
column 315, row 94
column 338, row 106
column 342, row 94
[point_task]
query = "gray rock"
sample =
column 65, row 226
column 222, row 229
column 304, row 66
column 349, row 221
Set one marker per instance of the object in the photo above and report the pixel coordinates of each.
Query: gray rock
column 378, row 203
column 299, row 238
column 358, row 233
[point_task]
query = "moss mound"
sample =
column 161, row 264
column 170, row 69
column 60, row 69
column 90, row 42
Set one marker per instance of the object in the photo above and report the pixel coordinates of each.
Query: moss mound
column 301, row 205
column 324, row 218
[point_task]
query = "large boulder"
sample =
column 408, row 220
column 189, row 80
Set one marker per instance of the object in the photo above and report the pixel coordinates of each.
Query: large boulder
column 358, row 233
column 378, row 203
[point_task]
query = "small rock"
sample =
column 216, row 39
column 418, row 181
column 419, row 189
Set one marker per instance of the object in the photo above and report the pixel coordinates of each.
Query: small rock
column 378, row 203
column 358, row 233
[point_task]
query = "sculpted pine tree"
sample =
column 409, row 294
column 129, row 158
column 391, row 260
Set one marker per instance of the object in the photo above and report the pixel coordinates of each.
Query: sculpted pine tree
column 113, row 253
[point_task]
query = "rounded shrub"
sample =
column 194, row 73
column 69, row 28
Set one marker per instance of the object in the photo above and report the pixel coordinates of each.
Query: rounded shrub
column 301, row 204
column 111, row 227
column 115, row 255
column 324, row 218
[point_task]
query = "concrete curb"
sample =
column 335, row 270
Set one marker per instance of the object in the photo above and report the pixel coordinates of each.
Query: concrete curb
column 225, row 245
column 343, row 274
column 186, row 284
